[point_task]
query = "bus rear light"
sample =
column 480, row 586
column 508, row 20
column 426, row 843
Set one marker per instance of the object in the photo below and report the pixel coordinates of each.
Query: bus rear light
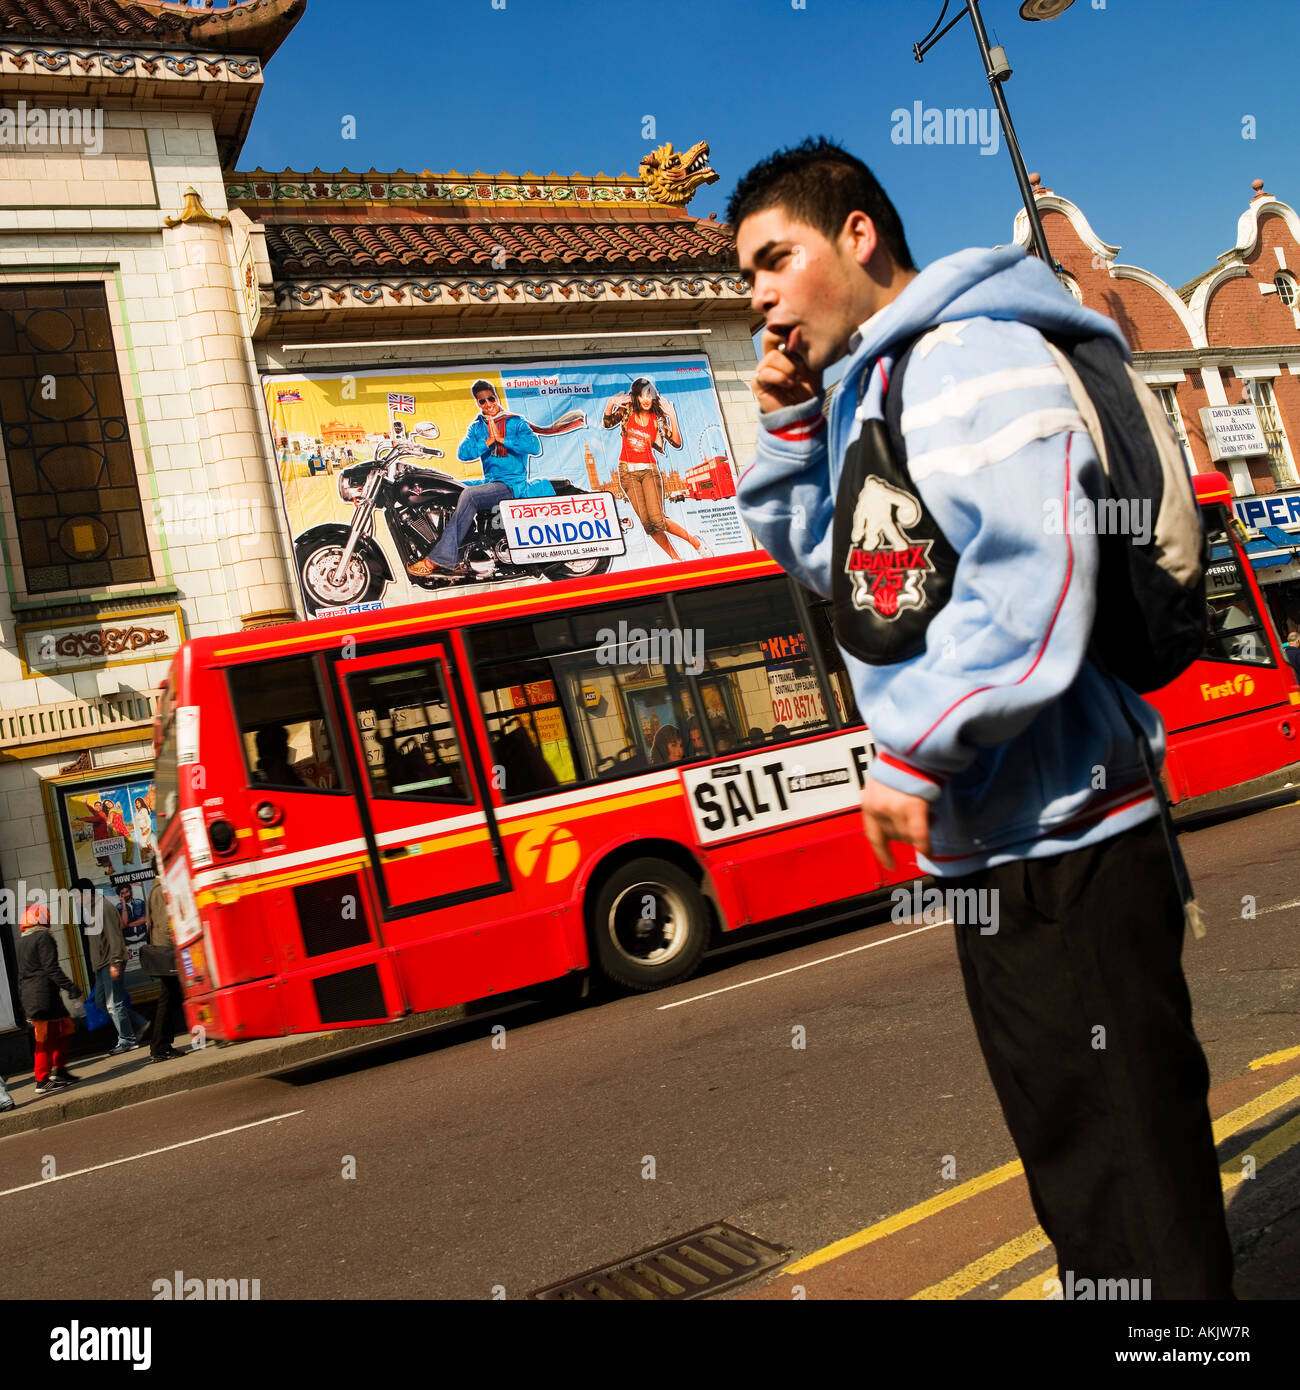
column 222, row 835
column 268, row 813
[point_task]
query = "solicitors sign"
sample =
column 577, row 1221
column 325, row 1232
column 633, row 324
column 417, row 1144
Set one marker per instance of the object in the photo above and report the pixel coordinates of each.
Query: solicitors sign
column 1233, row 432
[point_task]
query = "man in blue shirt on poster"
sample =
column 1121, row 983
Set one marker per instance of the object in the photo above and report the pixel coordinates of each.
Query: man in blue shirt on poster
column 503, row 444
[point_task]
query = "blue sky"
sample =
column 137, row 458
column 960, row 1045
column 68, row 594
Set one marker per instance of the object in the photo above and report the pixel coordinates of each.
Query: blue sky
column 1132, row 108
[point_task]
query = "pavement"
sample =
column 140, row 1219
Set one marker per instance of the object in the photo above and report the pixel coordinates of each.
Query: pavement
column 108, row 1083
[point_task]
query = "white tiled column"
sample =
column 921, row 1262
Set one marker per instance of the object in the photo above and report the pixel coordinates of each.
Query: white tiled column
column 224, row 404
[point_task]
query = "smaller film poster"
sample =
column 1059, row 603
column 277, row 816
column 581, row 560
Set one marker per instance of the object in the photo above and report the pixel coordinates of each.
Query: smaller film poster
column 108, row 830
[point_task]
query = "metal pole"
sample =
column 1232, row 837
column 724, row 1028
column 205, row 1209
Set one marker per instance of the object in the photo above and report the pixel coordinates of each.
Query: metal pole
column 1041, row 247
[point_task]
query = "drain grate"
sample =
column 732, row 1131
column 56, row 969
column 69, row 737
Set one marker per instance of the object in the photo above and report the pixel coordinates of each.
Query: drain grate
column 695, row 1265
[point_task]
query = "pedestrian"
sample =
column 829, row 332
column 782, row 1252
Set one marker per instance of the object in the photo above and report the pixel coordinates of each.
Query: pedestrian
column 1291, row 650
column 1003, row 756
column 108, row 961
column 40, row 978
column 169, row 1009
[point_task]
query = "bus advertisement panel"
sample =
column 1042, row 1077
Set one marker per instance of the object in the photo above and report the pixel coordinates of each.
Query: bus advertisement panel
column 591, row 477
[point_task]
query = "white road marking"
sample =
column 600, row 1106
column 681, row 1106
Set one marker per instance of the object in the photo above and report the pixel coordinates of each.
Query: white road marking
column 839, row 955
column 131, row 1158
column 1281, row 907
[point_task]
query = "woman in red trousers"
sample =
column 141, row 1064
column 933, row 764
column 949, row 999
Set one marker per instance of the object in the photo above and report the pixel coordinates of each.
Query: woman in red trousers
column 40, row 979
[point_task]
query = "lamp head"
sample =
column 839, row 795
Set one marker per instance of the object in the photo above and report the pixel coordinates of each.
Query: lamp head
column 1044, row 9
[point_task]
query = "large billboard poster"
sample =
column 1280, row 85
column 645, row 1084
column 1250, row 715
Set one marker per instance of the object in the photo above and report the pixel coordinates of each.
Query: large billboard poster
column 403, row 484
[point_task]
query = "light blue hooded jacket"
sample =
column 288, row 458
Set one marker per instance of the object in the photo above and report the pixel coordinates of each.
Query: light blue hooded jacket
column 1001, row 723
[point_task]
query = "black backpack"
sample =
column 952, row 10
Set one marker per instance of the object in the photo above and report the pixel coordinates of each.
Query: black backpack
column 892, row 568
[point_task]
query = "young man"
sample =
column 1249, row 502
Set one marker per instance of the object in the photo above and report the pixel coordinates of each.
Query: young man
column 1002, row 753
column 108, row 962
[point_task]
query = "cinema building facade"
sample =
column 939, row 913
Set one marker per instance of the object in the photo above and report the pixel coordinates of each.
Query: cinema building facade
column 172, row 416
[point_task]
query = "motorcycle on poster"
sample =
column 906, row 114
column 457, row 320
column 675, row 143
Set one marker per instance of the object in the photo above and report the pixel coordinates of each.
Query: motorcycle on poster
column 509, row 474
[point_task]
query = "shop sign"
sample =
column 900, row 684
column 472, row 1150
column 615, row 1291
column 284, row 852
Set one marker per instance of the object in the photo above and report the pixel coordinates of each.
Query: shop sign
column 1233, row 431
column 110, row 639
column 1271, row 509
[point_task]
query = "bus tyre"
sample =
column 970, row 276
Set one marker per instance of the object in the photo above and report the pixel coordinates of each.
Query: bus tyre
column 651, row 925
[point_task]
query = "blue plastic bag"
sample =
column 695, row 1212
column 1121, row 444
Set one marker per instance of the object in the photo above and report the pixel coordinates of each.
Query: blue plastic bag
column 95, row 1017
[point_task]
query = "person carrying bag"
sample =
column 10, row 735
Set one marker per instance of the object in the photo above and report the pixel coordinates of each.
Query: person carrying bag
column 158, row 958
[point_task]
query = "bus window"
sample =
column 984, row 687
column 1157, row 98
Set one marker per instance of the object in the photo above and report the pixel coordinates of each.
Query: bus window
column 531, row 749
column 624, row 678
column 823, row 634
column 759, row 683
column 600, row 692
column 282, row 726
column 412, row 750
column 1236, row 630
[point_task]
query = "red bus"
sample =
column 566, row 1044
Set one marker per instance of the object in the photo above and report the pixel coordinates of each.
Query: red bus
column 1231, row 718
column 393, row 812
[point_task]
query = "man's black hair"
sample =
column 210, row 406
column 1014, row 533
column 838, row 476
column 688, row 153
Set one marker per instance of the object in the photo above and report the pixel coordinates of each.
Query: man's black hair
column 481, row 385
column 819, row 183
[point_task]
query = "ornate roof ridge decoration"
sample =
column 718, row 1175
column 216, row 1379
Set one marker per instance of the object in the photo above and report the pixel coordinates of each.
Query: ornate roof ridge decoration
column 132, row 62
column 666, row 180
column 672, row 177
column 194, row 211
column 399, row 294
column 246, row 26
column 346, row 187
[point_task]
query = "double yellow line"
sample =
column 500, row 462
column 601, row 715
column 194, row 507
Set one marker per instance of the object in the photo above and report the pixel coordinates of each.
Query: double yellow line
column 1032, row 1242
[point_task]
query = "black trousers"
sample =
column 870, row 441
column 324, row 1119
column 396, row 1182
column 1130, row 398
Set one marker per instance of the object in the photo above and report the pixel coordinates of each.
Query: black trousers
column 1085, row 1023
column 169, row 1014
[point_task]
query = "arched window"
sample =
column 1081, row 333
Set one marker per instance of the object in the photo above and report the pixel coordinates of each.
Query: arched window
column 1286, row 289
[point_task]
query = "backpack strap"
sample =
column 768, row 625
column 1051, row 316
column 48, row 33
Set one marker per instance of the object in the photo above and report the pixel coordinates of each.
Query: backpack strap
column 894, row 397
column 891, row 565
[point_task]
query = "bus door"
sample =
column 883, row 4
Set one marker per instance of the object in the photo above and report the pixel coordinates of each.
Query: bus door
column 427, row 817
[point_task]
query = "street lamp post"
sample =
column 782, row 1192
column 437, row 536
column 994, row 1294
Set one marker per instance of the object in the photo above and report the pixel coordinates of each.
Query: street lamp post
column 997, row 69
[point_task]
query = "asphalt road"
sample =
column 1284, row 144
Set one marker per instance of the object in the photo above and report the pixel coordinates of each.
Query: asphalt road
column 468, row 1165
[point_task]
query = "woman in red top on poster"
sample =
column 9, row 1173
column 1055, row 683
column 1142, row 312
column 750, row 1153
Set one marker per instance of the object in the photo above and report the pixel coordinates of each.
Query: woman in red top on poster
column 647, row 421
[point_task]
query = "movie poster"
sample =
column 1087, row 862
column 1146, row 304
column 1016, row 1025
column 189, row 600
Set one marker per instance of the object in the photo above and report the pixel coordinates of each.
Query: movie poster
column 603, row 465
column 106, row 823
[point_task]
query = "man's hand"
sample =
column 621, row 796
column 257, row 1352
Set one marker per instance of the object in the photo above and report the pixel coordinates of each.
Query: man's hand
column 115, row 972
column 892, row 815
column 783, row 378
column 496, row 431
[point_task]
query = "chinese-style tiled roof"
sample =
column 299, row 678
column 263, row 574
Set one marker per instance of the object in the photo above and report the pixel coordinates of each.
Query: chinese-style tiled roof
column 338, row 224
column 248, row 26
column 577, row 241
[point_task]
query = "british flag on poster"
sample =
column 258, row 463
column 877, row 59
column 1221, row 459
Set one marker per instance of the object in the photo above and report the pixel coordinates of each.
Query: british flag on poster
column 400, row 405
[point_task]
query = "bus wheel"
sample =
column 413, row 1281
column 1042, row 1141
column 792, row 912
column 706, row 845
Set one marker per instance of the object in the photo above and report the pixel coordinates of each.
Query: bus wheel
column 651, row 925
